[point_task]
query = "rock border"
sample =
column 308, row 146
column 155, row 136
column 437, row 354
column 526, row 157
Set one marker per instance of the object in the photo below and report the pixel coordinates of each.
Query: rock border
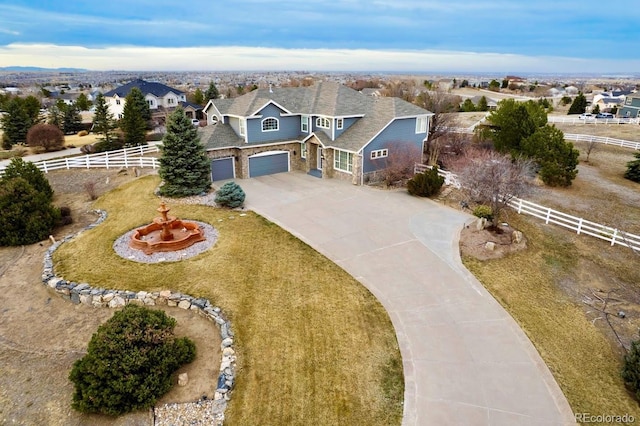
column 83, row 293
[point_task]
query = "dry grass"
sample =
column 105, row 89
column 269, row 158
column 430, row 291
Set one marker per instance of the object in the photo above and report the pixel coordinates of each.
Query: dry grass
column 314, row 346
column 75, row 140
column 583, row 360
column 629, row 132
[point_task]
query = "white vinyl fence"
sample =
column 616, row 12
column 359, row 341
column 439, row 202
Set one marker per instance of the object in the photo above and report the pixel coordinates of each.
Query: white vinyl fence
column 128, row 157
column 576, row 224
column 602, row 139
column 573, row 119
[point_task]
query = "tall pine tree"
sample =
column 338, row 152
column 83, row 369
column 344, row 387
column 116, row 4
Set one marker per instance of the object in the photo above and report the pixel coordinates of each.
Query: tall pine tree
column 133, row 122
column 104, row 126
column 579, row 105
column 184, row 166
column 15, row 124
column 212, row 92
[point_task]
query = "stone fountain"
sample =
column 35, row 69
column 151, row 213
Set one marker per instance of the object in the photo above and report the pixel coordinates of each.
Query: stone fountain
column 166, row 233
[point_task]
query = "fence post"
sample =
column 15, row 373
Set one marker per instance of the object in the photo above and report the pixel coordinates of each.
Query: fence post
column 86, row 159
column 66, row 163
column 44, row 164
column 106, row 159
column 613, row 240
column 548, row 216
column 519, row 205
column 579, row 226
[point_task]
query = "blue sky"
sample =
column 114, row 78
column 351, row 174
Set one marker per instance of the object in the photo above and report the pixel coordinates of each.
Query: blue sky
column 376, row 35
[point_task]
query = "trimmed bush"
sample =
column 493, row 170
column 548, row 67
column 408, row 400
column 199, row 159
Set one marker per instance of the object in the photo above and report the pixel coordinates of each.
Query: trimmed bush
column 46, row 136
column 483, row 211
column 425, row 184
column 82, row 133
column 633, row 169
column 27, row 214
column 230, row 195
column 31, row 173
column 631, row 369
column 129, row 362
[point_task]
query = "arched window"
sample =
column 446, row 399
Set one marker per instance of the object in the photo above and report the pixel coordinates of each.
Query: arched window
column 323, row 122
column 269, row 124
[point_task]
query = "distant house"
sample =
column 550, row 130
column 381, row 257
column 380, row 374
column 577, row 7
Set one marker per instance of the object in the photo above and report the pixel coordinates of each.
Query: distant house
column 327, row 130
column 606, row 102
column 491, row 103
column 161, row 98
column 631, row 108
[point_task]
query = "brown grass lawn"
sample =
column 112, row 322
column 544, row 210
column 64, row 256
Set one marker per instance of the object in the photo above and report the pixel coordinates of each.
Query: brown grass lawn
column 630, row 132
column 314, row 346
column 555, row 288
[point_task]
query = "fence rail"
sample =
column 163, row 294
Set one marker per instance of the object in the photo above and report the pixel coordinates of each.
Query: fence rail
column 576, row 224
column 576, row 120
column 128, row 157
column 603, row 139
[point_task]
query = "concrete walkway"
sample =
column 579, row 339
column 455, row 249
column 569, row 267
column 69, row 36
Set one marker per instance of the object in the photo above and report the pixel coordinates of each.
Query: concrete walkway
column 466, row 361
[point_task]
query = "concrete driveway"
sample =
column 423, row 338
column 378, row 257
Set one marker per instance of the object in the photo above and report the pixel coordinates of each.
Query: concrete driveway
column 466, row 361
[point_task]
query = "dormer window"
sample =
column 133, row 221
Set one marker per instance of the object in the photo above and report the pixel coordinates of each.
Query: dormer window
column 323, row 123
column 243, row 127
column 270, row 124
column 421, row 124
column 339, row 123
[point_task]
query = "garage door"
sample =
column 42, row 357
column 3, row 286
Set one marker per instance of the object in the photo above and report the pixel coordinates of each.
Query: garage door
column 222, row 169
column 268, row 163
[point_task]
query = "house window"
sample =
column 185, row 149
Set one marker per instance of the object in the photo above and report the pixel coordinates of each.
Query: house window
column 171, row 101
column 339, row 123
column 150, row 103
column 323, row 122
column 421, row 125
column 243, row 127
column 379, row 153
column 627, row 101
column 117, row 101
column 270, row 124
column 304, row 124
column 343, row 161
column 303, row 150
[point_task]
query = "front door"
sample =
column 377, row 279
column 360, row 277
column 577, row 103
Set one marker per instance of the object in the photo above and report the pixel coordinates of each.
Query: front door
column 319, row 157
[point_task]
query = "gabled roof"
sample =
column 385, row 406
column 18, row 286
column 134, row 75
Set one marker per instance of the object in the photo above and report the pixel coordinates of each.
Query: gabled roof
column 146, row 87
column 326, row 98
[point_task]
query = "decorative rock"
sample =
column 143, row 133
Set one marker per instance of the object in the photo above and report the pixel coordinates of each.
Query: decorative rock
column 516, row 237
column 165, row 294
column 183, row 379
column 480, row 223
column 172, row 303
column 491, row 246
column 184, row 304
column 621, row 314
column 86, row 299
column 116, row 302
column 226, row 342
column 228, row 351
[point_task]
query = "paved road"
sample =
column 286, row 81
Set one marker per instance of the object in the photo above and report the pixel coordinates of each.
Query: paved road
column 466, row 361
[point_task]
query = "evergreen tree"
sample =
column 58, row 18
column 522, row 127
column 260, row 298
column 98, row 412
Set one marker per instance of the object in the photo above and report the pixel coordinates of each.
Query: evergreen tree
column 198, row 97
column 15, row 124
column 633, row 169
column 133, row 122
column 56, row 114
column 510, row 124
column 482, row 104
column 18, row 168
column 104, row 125
column 83, row 103
column 72, row 120
column 212, row 92
column 32, row 106
column 140, row 102
column 556, row 157
column 596, row 109
column 467, row 106
column 579, row 105
column 184, row 166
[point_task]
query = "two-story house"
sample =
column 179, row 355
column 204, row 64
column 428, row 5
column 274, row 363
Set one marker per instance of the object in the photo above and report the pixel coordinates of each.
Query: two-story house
column 327, row 130
column 160, row 97
column 631, row 107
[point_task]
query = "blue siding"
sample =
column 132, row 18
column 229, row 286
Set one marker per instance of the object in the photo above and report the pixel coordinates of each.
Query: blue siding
column 289, row 127
column 398, row 132
column 632, row 110
column 316, row 129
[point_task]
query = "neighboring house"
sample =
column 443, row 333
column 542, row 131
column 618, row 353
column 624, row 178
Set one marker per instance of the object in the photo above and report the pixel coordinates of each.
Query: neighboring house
column 631, row 108
column 161, row 98
column 67, row 98
column 492, row 104
column 327, row 130
column 606, row 102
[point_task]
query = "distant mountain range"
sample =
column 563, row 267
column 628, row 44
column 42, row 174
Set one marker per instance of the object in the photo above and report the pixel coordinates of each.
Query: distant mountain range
column 38, row 69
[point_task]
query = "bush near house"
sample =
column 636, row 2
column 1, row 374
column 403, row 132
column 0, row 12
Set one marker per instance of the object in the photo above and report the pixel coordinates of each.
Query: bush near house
column 425, row 184
column 129, row 362
column 230, row 195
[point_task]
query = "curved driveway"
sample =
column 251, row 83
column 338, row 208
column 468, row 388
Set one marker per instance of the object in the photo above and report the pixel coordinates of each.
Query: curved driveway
column 466, row 361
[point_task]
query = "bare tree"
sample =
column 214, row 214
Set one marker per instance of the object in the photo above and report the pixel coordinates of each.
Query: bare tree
column 590, row 147
column 403, row 89
column 493, row 179
column 399, row 162
column 442, row 105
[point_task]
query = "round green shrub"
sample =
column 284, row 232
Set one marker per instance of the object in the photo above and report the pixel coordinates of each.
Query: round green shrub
column 633, row 169
column 631, row 369
column 483, row 211
column 230, row 195
column 31, row 173
column 27, row 216
column 425, row 184
column 129, row 362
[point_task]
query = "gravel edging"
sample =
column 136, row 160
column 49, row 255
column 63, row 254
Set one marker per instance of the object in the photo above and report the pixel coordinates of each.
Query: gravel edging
column 202, row 412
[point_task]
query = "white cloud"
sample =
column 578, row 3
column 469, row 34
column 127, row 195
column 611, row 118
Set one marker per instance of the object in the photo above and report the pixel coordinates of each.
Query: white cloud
column 255, row 58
